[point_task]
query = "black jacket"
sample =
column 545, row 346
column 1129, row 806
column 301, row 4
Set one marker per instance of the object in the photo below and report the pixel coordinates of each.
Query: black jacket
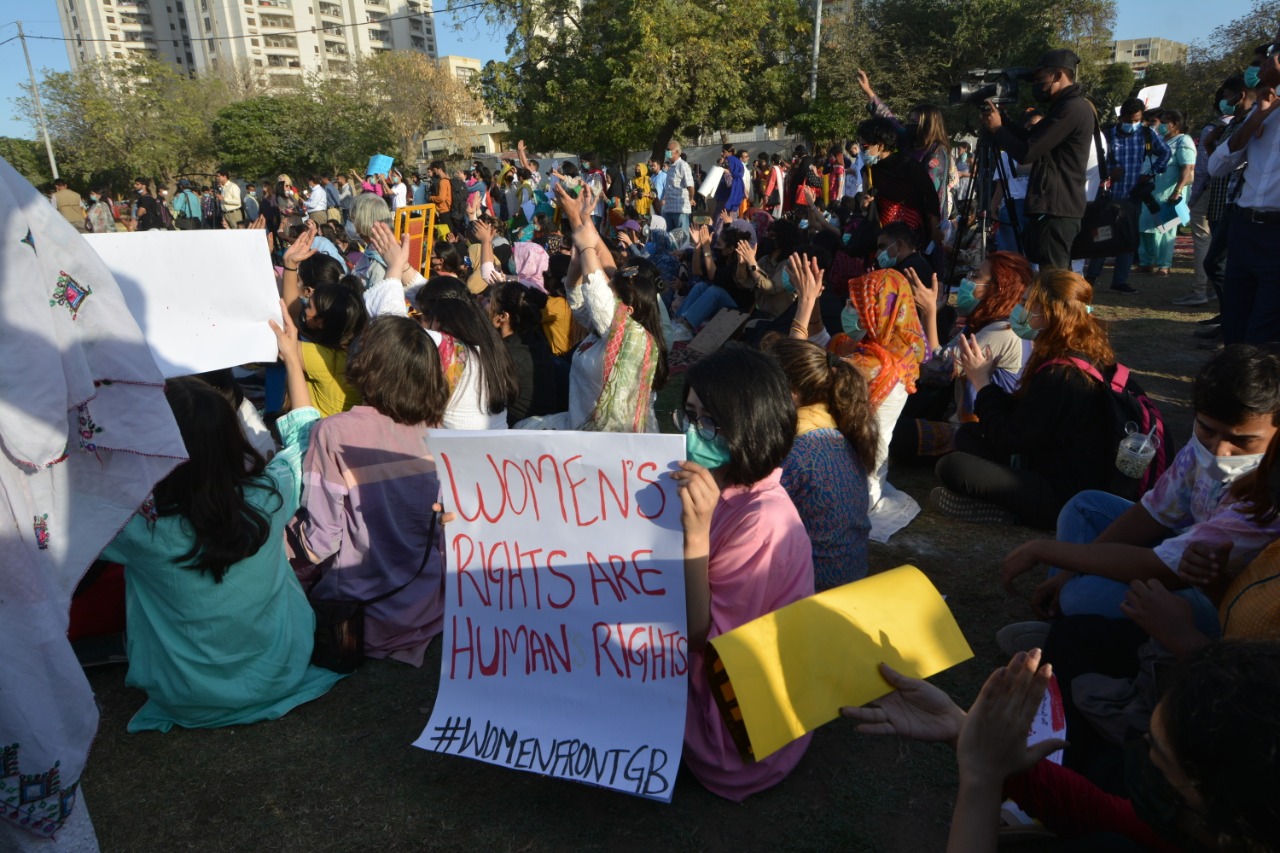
column 1058, row 151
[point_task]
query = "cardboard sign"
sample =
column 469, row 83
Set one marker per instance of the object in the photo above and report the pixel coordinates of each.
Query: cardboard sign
column 379, row 164
column 565, row 644
column 718, row 331
column 792, row 670
column 201, row 298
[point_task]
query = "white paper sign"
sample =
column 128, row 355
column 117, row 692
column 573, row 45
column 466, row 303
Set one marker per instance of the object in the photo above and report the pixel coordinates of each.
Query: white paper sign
column 1050, row 720
column 565, row 645
column 711, row 183
column 1153, row 96
column 201, row 298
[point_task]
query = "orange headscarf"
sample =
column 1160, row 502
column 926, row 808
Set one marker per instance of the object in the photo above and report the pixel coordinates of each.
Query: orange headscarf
column 894, row 346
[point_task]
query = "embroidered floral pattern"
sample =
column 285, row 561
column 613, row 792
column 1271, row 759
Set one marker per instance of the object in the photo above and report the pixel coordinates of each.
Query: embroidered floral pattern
column 41, row 524
column 88, row 429
column 37, row 802
column 70, row 294
column 148, row 509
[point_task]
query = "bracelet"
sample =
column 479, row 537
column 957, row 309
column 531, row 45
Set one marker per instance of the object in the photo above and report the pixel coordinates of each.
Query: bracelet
column 290, row 269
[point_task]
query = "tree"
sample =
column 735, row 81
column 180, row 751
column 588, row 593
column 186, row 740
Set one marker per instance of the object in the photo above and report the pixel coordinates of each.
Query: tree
column 1110, row 88
column 612, row 77
column 415, row 95
column 28, row 157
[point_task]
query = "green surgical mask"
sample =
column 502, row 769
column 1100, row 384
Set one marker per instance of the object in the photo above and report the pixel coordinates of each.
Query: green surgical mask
column 709, row 454
column 851, row 324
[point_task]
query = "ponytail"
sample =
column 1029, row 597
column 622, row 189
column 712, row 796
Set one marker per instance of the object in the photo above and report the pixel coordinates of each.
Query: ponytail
column 818, row 377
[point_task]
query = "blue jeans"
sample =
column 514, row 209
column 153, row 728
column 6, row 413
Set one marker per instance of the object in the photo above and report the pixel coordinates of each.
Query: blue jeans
column 703, row 302
column 1005, row 241
column 1123, row 266
column 1251, row 287
column 676, row 220
column 1083, row 518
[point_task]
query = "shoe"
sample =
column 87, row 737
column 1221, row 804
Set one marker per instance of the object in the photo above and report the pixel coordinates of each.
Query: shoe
column 964, row 508
column 1208, row 333
column 681, row 333
column 1163, row 271
column 1022, row 637
column 1192, row 299
column 1215, row 320
column 1124, row 288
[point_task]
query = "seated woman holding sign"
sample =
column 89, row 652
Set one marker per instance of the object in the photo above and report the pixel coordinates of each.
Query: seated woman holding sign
column 366, row 519
column 220, row 632
column 746, row 550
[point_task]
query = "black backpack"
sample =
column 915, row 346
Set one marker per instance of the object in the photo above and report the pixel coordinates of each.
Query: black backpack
column 459, row 208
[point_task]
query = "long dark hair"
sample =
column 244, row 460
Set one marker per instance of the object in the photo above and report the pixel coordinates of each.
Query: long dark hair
column 522, row 305
column 639, row 292
column 817, row 377
column 343, row 316
column 208, row 490
column 452, row 309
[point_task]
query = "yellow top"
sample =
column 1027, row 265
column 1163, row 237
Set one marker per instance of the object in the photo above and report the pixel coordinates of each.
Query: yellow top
column 557, row 325
column 326, row 371
column 1250, row 609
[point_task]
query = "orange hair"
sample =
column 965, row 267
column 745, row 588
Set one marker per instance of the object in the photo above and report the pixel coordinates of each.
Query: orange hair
column 1063, row 298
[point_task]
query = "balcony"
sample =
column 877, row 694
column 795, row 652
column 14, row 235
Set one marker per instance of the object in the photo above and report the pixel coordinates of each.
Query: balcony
column 276, row 4
column 331, row 10
column 274, row 61
column 379, row 35
column 336, row 50
column 275, row 22
column 285, row 42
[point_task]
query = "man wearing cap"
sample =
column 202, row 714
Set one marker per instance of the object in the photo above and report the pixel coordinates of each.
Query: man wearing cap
column 1251, row 284
column 186, row 207
column 1057, row 149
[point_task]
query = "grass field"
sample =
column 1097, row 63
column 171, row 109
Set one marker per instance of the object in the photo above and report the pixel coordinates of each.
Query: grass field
column 339, row 774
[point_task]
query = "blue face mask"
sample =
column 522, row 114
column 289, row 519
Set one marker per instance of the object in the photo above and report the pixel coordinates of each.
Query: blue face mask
column 803, row 224
column 966, row 299
column 1162, row 129
column 883, row 260
column 1020, row 322
column 1130, row 126
column 851, row 323
column 1225, row 107
column 871, row 159
column 1252, row 77
column 709, row 454
column 786, row 282
column 845, row 238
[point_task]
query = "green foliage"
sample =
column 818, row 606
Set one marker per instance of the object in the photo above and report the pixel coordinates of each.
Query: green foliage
column 28, row 157
column 1110, row 88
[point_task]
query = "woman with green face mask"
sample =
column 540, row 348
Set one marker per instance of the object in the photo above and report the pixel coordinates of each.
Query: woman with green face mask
column 1155, row 251
column 1057, row 422
column 985, row 298
column 746, row 550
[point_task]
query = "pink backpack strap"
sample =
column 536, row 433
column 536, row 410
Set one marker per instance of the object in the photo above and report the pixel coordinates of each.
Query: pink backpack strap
column 1084, row 366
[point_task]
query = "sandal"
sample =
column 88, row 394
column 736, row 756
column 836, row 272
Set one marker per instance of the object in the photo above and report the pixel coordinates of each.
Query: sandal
column 1163, row 271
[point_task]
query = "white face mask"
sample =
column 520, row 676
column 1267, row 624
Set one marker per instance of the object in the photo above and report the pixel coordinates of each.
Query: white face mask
column 1223, row 469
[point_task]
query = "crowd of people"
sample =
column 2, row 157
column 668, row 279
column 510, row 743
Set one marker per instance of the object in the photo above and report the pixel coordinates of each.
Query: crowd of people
column 564, row 297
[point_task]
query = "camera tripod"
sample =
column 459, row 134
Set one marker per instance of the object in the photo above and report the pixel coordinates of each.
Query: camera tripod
column 988, row 167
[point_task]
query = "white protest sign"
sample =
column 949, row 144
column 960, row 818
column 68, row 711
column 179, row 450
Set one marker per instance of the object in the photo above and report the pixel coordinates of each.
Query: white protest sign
column 1050, row 720
column 565, row 645
column 1153, row 96
column 201, row 298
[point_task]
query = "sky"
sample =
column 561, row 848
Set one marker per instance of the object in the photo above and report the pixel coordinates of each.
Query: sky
column 1180, row 20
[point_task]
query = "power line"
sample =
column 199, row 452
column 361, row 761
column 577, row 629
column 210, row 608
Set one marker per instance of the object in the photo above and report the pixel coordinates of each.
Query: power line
column 323, row 28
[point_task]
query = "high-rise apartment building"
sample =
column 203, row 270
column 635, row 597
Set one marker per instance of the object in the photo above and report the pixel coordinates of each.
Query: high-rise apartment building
column 284, row 38
column 1140, row 53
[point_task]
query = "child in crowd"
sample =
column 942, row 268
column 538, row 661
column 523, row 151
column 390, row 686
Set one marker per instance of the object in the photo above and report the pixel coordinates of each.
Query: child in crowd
column 746, row 550
column 219, row 630
column 366, row 522
column 1057, row 422
column 825, row 473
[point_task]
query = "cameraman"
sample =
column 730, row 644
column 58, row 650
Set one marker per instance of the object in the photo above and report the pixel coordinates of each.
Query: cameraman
column 1057, row 149
column 1135, row 156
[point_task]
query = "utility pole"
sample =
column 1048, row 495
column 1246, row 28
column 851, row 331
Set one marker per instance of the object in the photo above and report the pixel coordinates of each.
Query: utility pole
column 35, row 97
column 817, row 40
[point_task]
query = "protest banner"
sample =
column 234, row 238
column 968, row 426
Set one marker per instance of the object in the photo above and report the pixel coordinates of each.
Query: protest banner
column 379, row 164
column 565, row 644
column 201, row 298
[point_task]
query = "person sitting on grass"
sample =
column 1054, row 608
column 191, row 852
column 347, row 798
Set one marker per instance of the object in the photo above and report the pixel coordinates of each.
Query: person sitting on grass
column 1204, row 778
column 745, row 547
column 1057, row 422
column 370, row 480
column 825, row 473
column 220, row 632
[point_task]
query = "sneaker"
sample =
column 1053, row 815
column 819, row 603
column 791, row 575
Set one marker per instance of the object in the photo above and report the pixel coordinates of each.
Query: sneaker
column 1022, row 637
column 1192, row 299
column 681, row 333
column 964, row 508
column 1124, row 288
column 1208, row 333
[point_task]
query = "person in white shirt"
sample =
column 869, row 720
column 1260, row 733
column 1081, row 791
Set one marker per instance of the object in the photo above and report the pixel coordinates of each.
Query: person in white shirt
column 232, row 211
column 677, row 199
column 317, row 203
column 399, row 191
column 1251, row 285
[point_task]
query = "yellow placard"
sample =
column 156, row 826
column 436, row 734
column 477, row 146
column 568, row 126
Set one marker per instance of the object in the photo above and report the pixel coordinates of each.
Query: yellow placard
column 792, row 670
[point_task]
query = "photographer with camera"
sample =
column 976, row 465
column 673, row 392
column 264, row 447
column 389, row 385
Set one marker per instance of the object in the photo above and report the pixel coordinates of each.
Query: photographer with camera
column 1057, row 149
column 1135, row 155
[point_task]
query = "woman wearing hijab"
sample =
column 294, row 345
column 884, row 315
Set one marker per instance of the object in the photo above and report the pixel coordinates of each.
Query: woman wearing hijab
column 881, row 336
column 641, row 187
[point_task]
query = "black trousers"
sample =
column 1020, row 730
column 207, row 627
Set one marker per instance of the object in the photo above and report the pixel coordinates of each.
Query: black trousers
column 1215, row 260
column 1049, row 239
column 977, row 470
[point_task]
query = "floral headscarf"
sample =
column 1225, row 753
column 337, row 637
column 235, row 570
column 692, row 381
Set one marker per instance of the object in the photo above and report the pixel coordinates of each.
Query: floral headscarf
column 894, row 346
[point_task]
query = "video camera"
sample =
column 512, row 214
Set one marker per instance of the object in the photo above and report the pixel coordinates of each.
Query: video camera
column 999, row 85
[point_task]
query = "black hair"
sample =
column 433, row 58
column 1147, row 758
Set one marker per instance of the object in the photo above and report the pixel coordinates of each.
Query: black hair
column 901, row 231
column 342, row 315
column 557, row 269
column 224, row 173
column 208, row 490
column 878, row 131
column 1174, row 117
column 569, row 170
column 639, row 292
column 397, row 370
column 451, row 309
column 1131, row 106
column 522, row 305
column 450, row 258
column 354, row 283
column 1241, row 380
column 1221, row 719
column 320, row 269
column 747, row 395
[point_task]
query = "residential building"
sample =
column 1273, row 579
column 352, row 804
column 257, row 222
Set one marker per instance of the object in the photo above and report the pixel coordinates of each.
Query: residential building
column 285, row 38
column 1140, row 53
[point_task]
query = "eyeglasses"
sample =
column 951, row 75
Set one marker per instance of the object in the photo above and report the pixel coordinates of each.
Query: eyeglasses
column 705, row 426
